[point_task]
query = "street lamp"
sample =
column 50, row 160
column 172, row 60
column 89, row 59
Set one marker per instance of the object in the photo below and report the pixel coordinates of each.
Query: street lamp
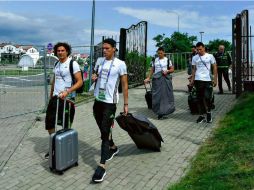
column 201, row 33
column 178, row 18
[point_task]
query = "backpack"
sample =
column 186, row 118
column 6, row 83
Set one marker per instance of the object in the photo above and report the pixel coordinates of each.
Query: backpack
column 80, row 89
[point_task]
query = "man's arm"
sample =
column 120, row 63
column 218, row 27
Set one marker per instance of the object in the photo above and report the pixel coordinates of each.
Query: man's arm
column 78, row 84
column 214, row 74
column 124, row 81
column 193, row 72
column 52, row 87
column 149, row 75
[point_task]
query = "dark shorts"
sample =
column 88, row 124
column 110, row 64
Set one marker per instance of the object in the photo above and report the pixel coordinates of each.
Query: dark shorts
column 51, row 113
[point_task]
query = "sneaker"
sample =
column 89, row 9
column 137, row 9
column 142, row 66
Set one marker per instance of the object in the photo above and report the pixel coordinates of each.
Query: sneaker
column 99, row 174
column 220, row 93
column 160, row 117
column 46, row 155
column 112, row 153
column 209, row 117
column 201, row 119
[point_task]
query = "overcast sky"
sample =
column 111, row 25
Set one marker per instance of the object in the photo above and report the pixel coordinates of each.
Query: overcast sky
column 41, row 22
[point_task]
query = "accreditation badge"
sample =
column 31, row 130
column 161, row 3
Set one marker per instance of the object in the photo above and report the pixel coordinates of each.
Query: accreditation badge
column 102, row 92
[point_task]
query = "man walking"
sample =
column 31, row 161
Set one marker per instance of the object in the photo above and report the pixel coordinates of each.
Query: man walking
column 203, row 81
column 109, row 71
column 223, row 61
column 62, row 87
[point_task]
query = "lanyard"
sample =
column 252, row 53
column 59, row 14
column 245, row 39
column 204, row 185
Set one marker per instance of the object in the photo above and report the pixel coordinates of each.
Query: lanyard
column 109, row 68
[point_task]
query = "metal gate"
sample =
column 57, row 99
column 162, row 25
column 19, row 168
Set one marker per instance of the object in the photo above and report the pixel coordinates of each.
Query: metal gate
column 242, row 54
column 132, row 49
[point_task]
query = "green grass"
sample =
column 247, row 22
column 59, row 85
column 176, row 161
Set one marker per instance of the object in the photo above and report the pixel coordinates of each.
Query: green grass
column 19, row 72
column 226, row 160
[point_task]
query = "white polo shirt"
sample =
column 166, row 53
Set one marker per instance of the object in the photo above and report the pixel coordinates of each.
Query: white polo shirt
column 112, row 73
column 63, row 79
column 203, row 66
column 161, row 64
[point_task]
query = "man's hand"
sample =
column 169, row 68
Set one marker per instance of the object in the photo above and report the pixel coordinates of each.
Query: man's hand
column 125, row 109
column 191, row 82
column 147, row 80
column 63, row 94
column 94, row 77
column 214, row 83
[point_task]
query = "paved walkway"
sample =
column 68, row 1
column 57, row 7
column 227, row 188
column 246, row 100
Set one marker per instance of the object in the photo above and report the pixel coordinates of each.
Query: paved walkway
column 132, row 168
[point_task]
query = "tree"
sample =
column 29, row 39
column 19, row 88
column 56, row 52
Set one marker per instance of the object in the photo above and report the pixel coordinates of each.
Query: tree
column 178, row 42
column 214, row 44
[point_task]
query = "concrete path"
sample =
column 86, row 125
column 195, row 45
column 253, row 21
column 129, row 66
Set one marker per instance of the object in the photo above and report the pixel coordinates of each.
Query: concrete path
column 133, row 168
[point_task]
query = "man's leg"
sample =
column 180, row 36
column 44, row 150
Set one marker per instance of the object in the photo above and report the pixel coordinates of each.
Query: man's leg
column 201, row 103
column 104, row 116
column 50, row 118
column 220, row 81
column 226, row 78
column 208, row 101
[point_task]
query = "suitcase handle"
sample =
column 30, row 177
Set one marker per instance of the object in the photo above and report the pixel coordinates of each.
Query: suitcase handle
column 149, row 85
column 57, row 109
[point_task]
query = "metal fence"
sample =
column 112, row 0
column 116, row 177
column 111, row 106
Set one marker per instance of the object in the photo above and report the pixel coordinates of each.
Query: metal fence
column 25, row 89
column 243, row 73
column 22, row 88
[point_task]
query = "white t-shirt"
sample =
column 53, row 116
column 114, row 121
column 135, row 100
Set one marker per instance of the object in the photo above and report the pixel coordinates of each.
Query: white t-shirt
column 110, row 87
column 161, row 64
column 203, row 69
column 63, row 79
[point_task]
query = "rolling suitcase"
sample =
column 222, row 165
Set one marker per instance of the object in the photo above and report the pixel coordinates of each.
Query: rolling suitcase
column 141, row 130
column 148, row 96
column 63, row 146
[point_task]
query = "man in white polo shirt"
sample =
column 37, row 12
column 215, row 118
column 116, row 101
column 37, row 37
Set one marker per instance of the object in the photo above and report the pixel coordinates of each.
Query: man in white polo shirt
column 109, row 72
column 203, row 81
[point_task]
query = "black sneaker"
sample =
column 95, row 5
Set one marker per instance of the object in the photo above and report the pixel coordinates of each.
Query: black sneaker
column 201, row 119
column 160, row 117
column 46, row 155
column 209, row 117
column 112, row 153
column 99, row 174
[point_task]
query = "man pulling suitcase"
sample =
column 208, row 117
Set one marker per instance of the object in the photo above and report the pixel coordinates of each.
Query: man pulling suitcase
column 62, row 87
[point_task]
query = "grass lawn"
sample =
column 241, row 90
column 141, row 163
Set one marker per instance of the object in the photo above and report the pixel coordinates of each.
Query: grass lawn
column 19, row 72
column 226, row 160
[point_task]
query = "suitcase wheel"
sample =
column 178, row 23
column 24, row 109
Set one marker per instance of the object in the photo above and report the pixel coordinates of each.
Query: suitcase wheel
column 76, row 164
column 60, row 172
column 51, row 169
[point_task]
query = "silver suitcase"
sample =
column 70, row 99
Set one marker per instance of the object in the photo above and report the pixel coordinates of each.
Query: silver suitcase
column 63, row 146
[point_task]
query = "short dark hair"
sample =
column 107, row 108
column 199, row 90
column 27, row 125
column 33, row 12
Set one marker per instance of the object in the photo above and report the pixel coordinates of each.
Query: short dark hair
column 65, row 45
column 160, row 49
column 110, row 41
column 200, row 44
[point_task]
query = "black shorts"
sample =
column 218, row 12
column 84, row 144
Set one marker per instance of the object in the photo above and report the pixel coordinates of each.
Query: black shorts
column 51, row 113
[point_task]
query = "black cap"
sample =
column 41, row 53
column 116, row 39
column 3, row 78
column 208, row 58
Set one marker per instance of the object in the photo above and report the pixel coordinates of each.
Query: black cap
column 110, row 41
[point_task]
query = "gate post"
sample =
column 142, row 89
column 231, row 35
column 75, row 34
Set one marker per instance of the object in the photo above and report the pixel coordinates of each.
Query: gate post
column 122, row 44
column 122, row 51
column 238, row 49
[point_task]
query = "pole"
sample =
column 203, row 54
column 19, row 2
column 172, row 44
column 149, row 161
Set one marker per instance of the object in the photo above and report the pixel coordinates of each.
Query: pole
column 178, row 22
column 92, row 45
column 201, row 33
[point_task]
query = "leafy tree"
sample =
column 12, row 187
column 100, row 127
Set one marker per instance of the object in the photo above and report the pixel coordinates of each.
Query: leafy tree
column 214, row 44
column 178, row 42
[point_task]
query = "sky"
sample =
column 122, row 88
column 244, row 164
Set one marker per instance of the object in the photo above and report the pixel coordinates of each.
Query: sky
column 43, row 22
